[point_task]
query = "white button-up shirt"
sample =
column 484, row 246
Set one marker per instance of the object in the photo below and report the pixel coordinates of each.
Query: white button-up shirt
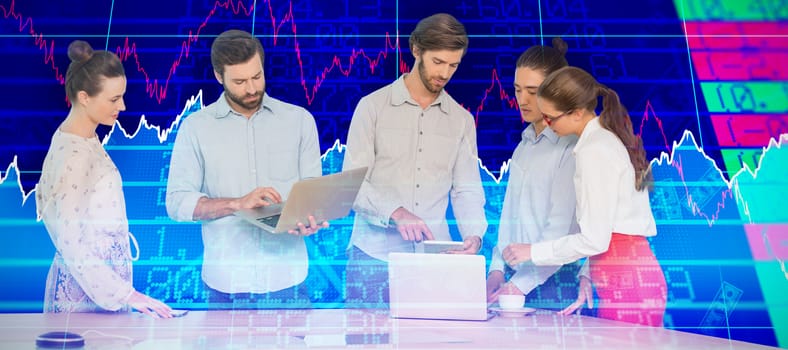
column 540, row 201
column 220, row 153
column 417, row 159
column 607, row 200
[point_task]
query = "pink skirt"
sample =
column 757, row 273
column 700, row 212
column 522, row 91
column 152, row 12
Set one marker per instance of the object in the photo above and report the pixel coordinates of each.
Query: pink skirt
column 629, row 282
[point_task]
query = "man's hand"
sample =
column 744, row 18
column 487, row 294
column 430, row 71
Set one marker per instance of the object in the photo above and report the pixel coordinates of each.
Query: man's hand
column 312, row 228
column 585, row 294
column 516, row 253
column 470, row 246
column 259, row 197
column 494, row 283
column 410, row 226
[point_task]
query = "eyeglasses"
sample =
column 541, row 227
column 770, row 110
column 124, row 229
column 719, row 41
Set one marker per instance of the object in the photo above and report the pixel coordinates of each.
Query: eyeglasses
column 550, row 120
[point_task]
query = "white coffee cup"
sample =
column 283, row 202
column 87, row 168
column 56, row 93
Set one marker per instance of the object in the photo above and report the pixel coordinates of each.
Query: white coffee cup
column 511, row 301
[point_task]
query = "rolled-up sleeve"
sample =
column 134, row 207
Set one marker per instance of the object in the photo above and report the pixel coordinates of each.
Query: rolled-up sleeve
column 310, row 164
column 185, row 179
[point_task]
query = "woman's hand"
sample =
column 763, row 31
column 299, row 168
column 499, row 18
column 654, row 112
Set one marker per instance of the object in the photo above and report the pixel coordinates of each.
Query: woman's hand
column 584, row 294
column 149, row 306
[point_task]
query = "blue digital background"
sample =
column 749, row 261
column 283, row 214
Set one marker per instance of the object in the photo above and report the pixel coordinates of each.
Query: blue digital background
column 326, row 56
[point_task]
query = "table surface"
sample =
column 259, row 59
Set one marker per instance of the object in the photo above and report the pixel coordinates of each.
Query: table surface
column 351, row 328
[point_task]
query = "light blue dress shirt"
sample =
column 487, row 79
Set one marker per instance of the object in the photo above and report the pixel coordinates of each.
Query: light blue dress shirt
column 220, row 153
column 540, row 201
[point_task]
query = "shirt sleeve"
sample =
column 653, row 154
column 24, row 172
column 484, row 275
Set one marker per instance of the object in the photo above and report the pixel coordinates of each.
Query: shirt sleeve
column 496, row 260
column 596, row 184
column 78, row 239
column 561, row 216
column 561, row 210
column 505, row 226
column 585, row 270
column 372, row 203
column 309, row 161
column 467, row 194
column 530, row 276
column 185, row 179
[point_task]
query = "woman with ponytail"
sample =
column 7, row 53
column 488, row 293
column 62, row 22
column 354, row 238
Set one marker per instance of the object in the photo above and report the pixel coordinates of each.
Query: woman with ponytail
column 611, row 180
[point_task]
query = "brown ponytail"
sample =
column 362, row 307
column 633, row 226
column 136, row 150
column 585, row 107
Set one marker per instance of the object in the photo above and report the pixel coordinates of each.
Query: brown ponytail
column 572, row 88
column 614, row 117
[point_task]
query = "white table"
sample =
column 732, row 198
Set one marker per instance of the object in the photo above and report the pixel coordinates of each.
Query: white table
column 353, row 328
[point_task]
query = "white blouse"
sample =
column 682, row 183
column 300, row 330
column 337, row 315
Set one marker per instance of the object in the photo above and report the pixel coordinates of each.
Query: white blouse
column 80, row 200
column 607, row 200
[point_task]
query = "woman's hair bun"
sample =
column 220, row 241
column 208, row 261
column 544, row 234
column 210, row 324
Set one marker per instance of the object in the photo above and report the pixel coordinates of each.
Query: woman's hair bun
column 79, row 51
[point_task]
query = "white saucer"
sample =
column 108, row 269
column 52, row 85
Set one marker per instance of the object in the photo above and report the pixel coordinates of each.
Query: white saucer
column 513, row 312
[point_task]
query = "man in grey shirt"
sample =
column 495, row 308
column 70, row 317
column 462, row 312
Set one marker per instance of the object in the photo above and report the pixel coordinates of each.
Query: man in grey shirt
column 420, row 147
column 244, row 151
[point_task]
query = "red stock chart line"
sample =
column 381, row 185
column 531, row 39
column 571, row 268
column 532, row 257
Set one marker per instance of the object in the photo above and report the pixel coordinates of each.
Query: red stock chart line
column 157, row 88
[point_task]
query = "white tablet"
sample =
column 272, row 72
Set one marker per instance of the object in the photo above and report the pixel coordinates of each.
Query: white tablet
column 436, row 247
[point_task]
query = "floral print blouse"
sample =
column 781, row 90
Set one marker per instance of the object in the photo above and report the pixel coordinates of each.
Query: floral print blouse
column 80, row 200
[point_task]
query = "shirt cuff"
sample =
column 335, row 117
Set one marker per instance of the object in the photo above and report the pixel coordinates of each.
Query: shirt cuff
column 542, row 253
column 187, row 206
column 387, row 211
column 125, row 300
column 496, row 264
column 524, row 281
column 584, row 270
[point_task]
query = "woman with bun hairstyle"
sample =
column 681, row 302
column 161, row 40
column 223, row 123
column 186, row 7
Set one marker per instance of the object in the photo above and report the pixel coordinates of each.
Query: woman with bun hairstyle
column 80, row 199
column 540, row 200
column 612, row 179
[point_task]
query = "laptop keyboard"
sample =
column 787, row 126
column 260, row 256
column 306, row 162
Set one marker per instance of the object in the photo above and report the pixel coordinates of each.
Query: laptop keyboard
column 270, row 220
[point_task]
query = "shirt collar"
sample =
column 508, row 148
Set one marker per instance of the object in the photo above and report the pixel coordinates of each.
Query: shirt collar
column 591, row 127
column 223, row 108
column 529, row 135
column 400, row 95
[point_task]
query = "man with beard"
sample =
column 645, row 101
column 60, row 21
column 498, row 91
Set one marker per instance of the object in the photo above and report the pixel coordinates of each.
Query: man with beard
column 244, row 151
column 420, row 147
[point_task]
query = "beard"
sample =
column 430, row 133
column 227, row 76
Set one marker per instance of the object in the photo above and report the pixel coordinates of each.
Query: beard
column 244, row 101
column 426, row 82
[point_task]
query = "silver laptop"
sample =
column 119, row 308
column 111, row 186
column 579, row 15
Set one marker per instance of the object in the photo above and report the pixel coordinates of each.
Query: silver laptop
column 326, row 198
column 437, row 286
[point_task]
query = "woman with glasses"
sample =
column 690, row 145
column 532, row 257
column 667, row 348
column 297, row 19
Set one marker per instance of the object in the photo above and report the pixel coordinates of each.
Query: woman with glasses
column 611, row 179
column 540, row 201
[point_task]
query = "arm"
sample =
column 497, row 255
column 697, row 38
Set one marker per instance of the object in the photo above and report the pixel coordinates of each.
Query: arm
column 184, row 182
column 214, row 208
column 560, row 217
column 508, row 221
column 372, row 203
column 597, row 192
column 467, row 194
column 185, row 201
column 309, row 163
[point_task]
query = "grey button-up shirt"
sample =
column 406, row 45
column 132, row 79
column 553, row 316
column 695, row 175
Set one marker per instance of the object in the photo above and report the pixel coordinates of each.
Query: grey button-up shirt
column 219, row 153
column 417, row 159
